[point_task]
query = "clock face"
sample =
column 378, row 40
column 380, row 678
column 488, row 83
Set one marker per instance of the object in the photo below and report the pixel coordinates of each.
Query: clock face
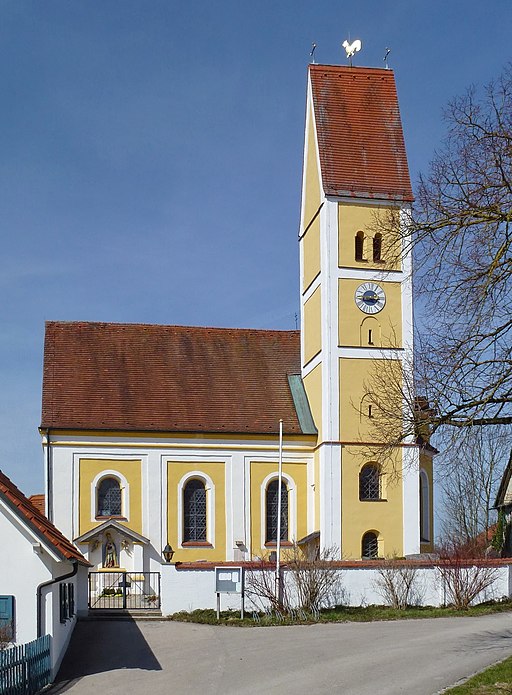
column 370, row 298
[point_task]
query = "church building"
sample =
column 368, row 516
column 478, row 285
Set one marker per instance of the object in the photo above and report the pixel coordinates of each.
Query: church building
column 166, row 437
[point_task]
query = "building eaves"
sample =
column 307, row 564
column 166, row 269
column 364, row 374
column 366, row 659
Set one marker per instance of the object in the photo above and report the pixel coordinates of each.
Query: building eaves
column 38, row 524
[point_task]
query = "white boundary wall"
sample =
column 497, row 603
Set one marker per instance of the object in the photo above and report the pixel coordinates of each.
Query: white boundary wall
column 191, row 589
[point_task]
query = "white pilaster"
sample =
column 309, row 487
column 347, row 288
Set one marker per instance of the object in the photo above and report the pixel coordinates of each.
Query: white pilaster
column 330, row 498
column 411, row 501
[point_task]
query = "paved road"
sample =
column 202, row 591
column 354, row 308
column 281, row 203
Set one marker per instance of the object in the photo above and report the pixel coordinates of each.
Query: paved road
column 417, row 657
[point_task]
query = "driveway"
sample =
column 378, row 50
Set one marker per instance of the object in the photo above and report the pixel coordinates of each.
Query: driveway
column 417, row 657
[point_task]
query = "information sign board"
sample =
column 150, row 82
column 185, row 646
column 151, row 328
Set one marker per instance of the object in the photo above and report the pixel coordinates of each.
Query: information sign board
column 229, row 580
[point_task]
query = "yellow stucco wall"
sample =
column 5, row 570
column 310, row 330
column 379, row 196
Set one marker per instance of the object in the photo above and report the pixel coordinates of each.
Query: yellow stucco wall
column 370, row 219
column 389, row 319
column 312, row 192
column 131, row 470
column 313, row 387
column 383, row 517
column 311, row 251
column 258, row 472
column 176, row 471
column 312, row 326
column 355, row 382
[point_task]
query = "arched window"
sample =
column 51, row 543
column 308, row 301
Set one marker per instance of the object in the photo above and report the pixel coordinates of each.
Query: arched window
column 377, row 247
column 272, row 512
column 368, row 408
column 194, row 511
column 369, row 546
column 424, row 509
column 369, row 332
column 369, row 482
column 359, row 251
column 109, row 498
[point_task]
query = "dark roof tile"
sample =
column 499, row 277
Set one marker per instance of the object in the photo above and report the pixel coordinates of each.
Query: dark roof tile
column 360, row 138
column 139, row 377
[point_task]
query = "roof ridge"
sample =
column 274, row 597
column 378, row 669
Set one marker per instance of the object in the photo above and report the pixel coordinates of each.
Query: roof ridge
column 121, row 324
column 350, row 68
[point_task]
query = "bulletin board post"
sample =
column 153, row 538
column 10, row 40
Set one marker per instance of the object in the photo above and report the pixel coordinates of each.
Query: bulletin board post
column 230, row 580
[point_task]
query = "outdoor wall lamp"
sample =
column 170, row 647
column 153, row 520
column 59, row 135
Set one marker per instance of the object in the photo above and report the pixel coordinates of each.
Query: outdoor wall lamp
column 168, row 553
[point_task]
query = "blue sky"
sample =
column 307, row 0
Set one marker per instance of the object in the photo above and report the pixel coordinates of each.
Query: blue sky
column 151, row 158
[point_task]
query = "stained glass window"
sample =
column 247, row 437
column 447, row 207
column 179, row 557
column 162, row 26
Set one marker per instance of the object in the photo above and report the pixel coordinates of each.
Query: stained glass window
column 369, row 546
column 272, row 511
column 369, row 482
column 194, row 511
column 109, row 498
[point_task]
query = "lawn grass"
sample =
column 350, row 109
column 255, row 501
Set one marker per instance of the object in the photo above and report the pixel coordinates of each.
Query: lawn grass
column 496, row 680
column 338, row 615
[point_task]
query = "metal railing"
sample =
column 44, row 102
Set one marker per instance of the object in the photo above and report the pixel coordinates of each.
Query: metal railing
column 25, row 669
column 124, row 590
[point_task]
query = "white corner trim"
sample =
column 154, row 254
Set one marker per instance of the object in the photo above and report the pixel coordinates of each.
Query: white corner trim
column 377, row 353
column 371, row 275
column 314, row 362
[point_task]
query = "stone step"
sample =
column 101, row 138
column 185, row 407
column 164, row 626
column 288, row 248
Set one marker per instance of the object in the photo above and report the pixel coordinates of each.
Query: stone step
column 120, row 614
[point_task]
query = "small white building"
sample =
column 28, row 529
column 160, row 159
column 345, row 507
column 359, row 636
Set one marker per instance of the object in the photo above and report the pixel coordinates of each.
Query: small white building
column 43, row 579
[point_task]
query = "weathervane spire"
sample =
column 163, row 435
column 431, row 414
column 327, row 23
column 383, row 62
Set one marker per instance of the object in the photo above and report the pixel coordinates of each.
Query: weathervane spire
column 351, row 48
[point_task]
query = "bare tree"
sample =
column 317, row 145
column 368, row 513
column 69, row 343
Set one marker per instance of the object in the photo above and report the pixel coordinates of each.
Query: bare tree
column 5, row 636
column 464, row 579
column 308, row 583
column 461, row 233
column 462, row 236
column 263, row 589
column 391, row 410
column 316, row 582
column 397, row 583
column 470, row 471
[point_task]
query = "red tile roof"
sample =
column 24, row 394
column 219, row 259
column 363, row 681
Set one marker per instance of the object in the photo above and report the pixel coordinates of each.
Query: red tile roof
column 139, row 377
column 360, row 138
column 43, row 528
column 38, row 502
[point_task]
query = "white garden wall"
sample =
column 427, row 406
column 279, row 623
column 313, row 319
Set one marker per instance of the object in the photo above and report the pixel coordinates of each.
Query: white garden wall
column 190, row 589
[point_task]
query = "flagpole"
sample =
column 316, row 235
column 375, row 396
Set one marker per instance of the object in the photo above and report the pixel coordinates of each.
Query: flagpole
column 279, row 505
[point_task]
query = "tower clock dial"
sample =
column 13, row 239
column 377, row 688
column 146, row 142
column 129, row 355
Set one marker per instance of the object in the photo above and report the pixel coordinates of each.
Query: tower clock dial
column 370, row 298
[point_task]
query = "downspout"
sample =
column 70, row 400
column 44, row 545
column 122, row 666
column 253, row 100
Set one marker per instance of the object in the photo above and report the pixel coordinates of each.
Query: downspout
column 49, row 583
column 49, row 478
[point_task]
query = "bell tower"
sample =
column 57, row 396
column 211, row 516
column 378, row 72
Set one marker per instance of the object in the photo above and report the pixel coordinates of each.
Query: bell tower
column 356, row 306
